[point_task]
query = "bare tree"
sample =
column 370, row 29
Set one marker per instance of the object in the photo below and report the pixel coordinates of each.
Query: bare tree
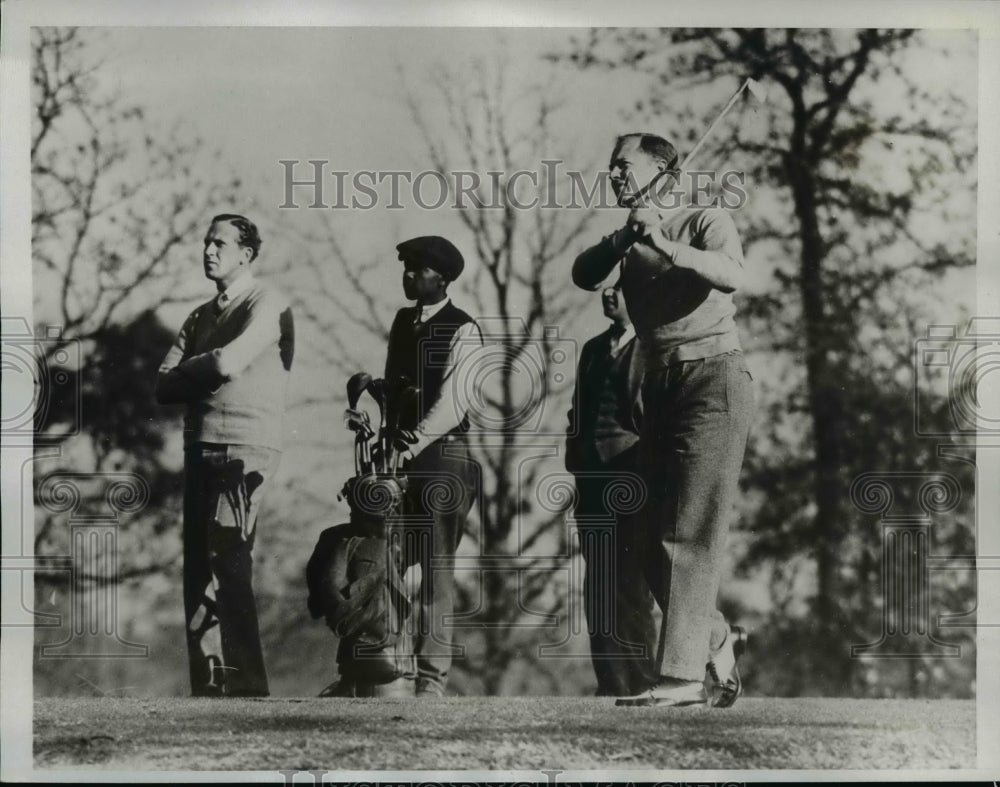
column 116, row 203
column 515, row 285
column 518, row 283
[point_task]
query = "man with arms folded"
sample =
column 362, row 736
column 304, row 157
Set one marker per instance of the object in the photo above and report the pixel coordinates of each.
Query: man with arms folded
column 230, row 366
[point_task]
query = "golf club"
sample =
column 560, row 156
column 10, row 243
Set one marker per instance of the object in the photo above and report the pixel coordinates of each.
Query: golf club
column 663, row 184
column 408, row 400
column 357, row 385
column 404, row 396
column 377, row 391
column 364, row 440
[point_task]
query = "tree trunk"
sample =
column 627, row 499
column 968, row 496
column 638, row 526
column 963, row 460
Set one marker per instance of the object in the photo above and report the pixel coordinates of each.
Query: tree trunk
column 825, row 407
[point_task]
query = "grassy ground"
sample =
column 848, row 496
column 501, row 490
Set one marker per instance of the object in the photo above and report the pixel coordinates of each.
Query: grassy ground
column 499, row 734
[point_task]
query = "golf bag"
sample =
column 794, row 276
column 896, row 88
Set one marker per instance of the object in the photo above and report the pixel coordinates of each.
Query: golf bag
column 354, row 575
column 355, row 584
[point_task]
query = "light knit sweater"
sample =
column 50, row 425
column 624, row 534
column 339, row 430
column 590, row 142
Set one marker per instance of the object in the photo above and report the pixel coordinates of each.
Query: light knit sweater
column 678, row 314
column 230, row 366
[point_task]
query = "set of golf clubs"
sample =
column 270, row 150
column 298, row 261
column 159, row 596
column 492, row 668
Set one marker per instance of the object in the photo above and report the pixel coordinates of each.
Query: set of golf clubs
column 381, row 452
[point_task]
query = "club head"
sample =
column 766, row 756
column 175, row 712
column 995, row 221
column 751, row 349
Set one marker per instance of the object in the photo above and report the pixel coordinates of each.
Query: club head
column 357, row 421
column 356, row 385
column 757, row 89
column 376, row 390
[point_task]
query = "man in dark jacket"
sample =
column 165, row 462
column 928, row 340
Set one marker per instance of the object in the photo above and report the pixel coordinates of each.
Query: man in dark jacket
column 601, row 451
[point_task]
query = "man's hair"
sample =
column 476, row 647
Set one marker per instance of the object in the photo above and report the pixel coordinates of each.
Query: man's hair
column 652, row 145
column 249, row 236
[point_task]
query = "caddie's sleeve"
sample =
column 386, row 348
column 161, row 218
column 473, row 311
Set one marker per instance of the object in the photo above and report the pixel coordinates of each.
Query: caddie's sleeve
column 453, row 404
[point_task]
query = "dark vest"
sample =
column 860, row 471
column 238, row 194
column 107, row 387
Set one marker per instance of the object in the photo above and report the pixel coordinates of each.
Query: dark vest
column 419, row 353
column 604, row 422
column 610, row 407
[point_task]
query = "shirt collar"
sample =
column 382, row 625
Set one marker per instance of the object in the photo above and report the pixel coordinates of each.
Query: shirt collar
column 240, row 284
column 619, row 342
column 426, row 312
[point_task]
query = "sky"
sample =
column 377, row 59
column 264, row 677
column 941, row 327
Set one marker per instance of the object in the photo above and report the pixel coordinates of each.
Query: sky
column 261, row 95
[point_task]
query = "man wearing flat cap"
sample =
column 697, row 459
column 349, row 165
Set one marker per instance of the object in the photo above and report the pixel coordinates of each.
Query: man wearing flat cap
column 432, row 346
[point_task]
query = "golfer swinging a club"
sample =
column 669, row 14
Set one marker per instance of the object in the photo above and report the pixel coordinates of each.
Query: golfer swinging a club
column 679, row 269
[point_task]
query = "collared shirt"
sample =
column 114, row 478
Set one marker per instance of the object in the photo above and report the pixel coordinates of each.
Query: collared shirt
column 619, row 342
column 428, row 311
column 241, row 283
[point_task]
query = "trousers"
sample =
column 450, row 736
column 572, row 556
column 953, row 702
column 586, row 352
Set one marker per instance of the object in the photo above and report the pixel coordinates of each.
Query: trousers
column 223, row 489
column 442, row 485
column 691, row 446
column 616, row 598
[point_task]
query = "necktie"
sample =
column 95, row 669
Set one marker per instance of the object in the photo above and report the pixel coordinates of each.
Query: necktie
column 221, row 302
column 616, row 337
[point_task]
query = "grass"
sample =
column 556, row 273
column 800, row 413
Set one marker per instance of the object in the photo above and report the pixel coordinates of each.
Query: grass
column 521, row 733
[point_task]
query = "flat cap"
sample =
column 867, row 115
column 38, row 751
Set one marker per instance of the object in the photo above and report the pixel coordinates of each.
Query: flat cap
column 434, row 252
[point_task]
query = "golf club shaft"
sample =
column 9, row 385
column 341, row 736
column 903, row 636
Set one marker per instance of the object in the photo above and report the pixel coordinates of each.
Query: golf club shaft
column 673, row 176
column 698, row 145
column 376, row 389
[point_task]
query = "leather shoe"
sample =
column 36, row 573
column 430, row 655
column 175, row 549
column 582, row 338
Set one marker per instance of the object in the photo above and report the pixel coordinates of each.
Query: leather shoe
column 426, row 688
column 401, row 687
column 349, row 687
column 339, row 688
column 723, row 670
column 668, row 692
